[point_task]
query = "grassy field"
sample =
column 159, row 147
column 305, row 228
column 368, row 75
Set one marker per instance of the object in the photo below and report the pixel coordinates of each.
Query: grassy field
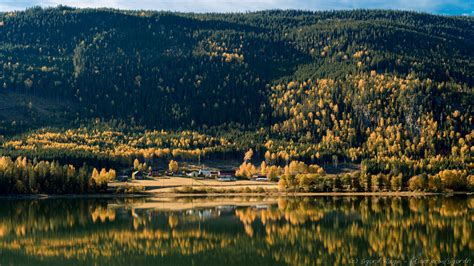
column 183, row 185
column 175, row 184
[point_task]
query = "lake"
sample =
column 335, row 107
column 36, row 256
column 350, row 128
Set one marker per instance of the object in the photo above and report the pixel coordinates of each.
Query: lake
column 238, row 231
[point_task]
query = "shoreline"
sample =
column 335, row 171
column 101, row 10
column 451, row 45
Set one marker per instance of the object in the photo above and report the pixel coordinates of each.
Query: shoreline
column 312, row 194
column 236, row 195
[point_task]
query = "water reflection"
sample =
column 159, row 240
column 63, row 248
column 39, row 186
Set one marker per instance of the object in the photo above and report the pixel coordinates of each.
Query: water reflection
column 265, row 231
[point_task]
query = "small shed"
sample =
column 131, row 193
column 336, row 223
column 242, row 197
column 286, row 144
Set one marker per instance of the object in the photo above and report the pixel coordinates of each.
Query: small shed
column 208, row 173
column 193, row 174
column 226, row 173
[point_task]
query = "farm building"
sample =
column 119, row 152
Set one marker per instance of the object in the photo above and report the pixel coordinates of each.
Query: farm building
column 226, row 173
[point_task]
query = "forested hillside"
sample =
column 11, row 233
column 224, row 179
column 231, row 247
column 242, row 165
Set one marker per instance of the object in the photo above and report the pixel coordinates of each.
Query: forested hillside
column 182, row 70
column 394, row 89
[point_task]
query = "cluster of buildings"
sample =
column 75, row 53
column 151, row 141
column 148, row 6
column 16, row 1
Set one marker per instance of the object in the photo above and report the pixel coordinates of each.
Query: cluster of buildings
column 220, row 175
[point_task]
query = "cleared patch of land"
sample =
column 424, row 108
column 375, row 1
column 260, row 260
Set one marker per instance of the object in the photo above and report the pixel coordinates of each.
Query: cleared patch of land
column 173, row 187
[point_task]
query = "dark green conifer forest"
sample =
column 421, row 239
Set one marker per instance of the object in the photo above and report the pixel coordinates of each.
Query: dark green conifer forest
column 391, row 91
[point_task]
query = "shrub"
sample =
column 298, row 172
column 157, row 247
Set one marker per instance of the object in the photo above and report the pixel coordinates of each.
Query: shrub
column 453, row 179
column 230, row 191
column 288, row 183
column 470, row 182
column 346, row 182
column 328, row 183
column 337, row 186
column 273, row 172
column 184, row 190
column 317, row 183
column 396, row 182
column 434, row 183
column 315, row 169
column 297, row 167
column 99, row 180
column 377, row 182
column 355, row 184
column 127, row 189
column 306, row 182
column 173, row 166
column 417, row 183
column 246, row 170
column 365, row 182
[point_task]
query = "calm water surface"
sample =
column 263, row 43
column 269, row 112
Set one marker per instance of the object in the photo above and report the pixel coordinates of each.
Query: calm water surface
column 239, row 231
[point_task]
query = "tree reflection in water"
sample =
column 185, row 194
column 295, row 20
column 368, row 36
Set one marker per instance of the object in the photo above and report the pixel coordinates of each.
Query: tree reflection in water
column 292, row 231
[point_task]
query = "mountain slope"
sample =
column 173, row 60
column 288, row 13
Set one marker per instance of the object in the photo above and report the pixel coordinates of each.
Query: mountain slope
column 390, row 90
column 190, row 70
